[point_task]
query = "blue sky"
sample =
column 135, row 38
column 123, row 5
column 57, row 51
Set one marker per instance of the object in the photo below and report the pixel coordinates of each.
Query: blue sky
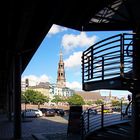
column 43, row 65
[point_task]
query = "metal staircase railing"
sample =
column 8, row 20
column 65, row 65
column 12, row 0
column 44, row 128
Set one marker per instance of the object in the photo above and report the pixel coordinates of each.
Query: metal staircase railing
column 109, row 58
column 91, row 122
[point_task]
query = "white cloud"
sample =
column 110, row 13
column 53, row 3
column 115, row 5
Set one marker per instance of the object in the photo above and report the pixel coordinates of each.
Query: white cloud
column 34, row 80
column 74, row 85
column 74, row 60
column 56, row 29
column 71, row 41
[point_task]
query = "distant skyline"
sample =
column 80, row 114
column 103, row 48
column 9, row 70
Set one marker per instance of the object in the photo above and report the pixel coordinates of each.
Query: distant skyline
column 43, row 65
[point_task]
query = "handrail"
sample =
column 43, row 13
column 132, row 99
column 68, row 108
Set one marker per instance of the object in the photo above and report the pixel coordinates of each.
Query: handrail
column 107, row 55
column 101, row 42
column 91, row 121
column 127, row 109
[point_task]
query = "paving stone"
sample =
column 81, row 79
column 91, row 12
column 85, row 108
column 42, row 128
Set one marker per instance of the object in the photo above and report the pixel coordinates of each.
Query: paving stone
column 56, row 136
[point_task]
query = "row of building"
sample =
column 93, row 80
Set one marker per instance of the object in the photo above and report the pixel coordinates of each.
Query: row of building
column 49, row 90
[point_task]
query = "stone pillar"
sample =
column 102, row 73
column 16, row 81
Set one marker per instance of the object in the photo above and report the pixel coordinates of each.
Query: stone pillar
column 17, row 98
column 136, row 90
column 135, row 118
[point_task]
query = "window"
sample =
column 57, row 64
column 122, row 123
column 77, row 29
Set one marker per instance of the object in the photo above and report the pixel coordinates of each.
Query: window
column 60, row 66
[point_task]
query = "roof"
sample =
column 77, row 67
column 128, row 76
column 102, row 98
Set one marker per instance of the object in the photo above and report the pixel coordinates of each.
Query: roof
column 45, row 85
column 89, row 95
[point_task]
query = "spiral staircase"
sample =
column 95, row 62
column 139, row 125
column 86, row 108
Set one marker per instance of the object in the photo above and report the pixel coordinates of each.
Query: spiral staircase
column 108, row 64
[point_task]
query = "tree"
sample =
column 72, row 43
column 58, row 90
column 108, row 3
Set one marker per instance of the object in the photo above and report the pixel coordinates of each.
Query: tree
column 57, row 99
column 34, row 97
column 40, row 98
column 89, row 102
column 75, row 99
column 99, row 102
column 115, row 103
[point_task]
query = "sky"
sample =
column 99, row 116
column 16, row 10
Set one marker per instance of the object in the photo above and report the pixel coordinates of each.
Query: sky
column 43, row 65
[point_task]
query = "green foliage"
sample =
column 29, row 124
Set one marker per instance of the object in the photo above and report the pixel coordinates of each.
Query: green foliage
column 99, row 102
column 115, row 103
column 75, row 99
column 57, row 99
column 34, row 97
column 89, row 102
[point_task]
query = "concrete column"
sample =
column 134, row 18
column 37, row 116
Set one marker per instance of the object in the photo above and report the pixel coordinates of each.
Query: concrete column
column 135, row 120
column 136, row 90
column 9, row 105
column 17, row 98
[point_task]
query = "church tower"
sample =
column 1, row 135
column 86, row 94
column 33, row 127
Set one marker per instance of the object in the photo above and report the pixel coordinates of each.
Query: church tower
column 61, row 81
